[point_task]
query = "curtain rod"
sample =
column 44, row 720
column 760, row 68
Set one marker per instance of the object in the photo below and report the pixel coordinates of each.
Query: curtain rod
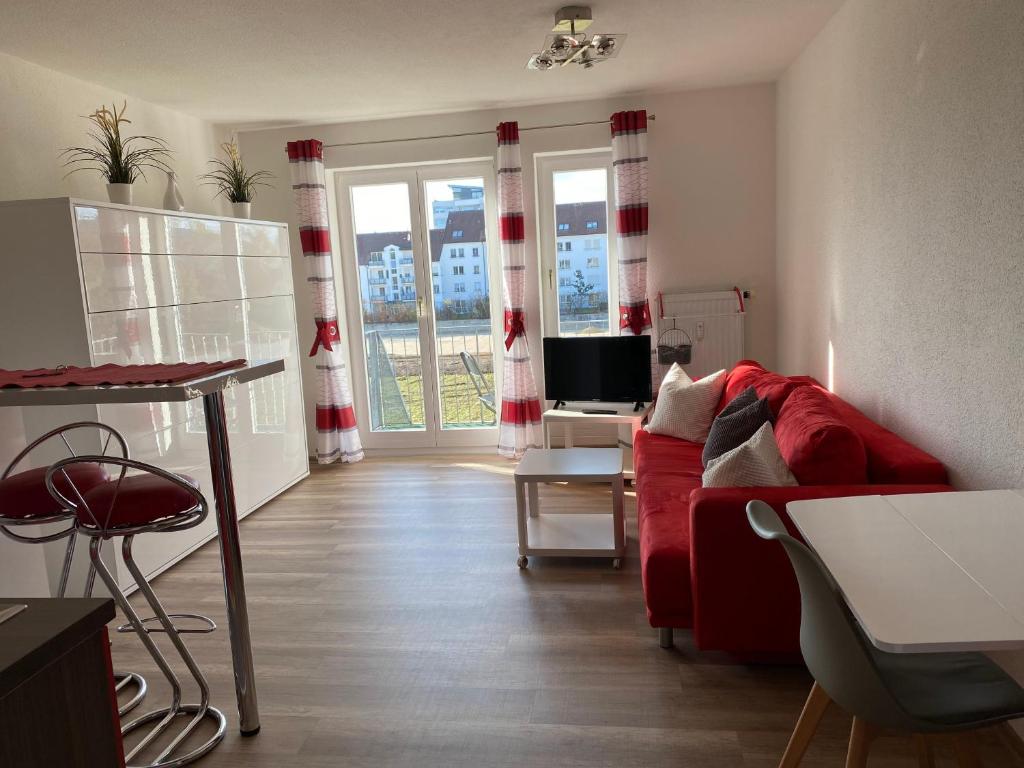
column 469, row 133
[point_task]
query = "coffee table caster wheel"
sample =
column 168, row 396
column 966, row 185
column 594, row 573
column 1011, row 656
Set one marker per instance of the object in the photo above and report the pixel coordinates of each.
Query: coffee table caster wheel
column 523, row 561
column 617, row 564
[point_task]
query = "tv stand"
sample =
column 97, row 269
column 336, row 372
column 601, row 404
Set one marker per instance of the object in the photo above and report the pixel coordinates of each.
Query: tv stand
column 581, row 414
column 558, row 403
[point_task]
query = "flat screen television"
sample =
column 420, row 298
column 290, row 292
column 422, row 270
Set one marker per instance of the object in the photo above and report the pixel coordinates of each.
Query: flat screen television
column 609, row 369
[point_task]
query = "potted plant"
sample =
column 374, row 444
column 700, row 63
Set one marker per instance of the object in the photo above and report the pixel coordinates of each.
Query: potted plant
column 232, row 180
column 120, row 159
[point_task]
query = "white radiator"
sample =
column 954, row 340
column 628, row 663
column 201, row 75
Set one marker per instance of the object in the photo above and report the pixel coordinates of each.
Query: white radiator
column 712, row 320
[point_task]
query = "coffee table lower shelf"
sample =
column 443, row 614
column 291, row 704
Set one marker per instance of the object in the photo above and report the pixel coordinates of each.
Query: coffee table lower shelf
column 572, row 535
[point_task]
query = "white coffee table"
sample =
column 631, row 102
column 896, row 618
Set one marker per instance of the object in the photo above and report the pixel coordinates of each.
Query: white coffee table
column 570, row 534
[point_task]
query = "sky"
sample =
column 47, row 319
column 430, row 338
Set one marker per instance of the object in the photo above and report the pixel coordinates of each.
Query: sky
column 385, row 207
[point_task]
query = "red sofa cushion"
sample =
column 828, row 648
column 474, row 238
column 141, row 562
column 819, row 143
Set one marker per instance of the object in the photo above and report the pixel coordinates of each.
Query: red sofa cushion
column 750, row 373
column 667, row 470
column 891, row 459
column 817, row 444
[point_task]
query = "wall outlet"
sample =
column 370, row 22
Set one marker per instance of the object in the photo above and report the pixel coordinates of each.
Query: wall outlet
column 700, row 330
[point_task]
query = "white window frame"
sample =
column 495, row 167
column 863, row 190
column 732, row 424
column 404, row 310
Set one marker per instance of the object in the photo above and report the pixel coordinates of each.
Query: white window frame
column 415, row 175
column 546, row 165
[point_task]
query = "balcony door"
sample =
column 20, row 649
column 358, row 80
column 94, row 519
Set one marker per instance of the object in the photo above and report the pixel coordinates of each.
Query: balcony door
column 423, row 298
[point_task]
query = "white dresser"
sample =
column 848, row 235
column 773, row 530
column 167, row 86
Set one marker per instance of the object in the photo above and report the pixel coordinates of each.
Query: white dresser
column 86, row 283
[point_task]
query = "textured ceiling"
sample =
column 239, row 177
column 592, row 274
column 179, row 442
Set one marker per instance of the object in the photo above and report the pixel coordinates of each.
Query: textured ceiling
column 318, row 60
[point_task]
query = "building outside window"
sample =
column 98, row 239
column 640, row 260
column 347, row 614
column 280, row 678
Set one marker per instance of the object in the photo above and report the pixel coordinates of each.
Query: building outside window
column 563, row 226
column 458, row 270
column 593, row 262
column 460, row 288
column 591, row 225
column 476, row 252
column 476, row 269
column 565, row 263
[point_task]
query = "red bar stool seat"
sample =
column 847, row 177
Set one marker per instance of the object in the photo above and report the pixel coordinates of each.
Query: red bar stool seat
column 23, row 496
column 136, row 500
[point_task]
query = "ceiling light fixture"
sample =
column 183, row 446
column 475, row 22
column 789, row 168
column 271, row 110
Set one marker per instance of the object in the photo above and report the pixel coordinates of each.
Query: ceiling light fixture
column 570, row 45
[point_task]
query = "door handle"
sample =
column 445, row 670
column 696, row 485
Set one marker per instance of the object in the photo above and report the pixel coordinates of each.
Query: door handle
column 551, row 279
column 419, row 306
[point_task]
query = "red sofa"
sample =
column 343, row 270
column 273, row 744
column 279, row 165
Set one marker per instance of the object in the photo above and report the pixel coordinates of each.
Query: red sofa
column 703, row 567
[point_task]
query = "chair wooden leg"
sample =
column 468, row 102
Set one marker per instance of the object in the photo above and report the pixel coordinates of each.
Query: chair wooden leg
column 815, row 706
column 861, row 734
column 925, row 755
column 966, row 755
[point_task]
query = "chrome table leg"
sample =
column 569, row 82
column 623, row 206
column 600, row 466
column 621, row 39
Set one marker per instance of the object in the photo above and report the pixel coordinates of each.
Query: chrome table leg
column 231, row 563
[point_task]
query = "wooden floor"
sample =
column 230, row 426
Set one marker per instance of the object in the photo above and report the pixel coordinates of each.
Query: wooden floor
column 392, row 627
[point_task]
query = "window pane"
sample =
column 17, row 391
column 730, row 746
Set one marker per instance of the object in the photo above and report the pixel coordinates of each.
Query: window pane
column 581, row 242
column 462, row 309
column 387, row 289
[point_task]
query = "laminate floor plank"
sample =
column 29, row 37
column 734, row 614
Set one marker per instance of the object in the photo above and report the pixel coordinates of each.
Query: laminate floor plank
column 392, row 628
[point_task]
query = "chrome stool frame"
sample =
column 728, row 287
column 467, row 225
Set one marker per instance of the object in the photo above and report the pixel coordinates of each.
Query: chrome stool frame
column 122, row 679
column 89, row 524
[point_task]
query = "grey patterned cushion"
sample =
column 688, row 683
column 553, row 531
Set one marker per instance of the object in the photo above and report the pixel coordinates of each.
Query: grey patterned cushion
column 757, row 463
column 736, row 424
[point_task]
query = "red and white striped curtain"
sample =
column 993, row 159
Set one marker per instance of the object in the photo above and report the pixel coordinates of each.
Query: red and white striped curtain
column 520, row 407
column 337, row 435
column 629, row 161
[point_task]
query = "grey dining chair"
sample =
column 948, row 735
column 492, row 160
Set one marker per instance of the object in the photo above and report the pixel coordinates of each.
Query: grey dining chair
column 925, row 694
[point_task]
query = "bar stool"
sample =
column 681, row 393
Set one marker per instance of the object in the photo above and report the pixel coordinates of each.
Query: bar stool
column 153, row 501
column 25, row 500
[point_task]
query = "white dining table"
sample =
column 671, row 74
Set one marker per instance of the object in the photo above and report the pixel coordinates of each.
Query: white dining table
column 926, row 572
column 211, row 389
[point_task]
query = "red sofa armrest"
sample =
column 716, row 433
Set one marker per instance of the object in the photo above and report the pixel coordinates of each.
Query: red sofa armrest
column 745, row 596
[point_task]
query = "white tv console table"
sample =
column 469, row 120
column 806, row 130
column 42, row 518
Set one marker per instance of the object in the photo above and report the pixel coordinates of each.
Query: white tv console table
column 573, row 416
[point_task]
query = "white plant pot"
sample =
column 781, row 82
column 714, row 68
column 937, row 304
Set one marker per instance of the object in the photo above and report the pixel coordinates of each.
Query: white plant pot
column 120, row 193
column 242, row 210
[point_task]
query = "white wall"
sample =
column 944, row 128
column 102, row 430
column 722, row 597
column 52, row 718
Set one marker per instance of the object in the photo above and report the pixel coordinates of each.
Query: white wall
column 901, row 223
column 40, row 114
column 712, row 186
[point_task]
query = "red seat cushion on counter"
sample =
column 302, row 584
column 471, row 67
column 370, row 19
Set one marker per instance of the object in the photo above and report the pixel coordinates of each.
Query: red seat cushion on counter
column 667, row 470
column 136, row 500
column 750, row 373
column 24, row 495
column 817, row 444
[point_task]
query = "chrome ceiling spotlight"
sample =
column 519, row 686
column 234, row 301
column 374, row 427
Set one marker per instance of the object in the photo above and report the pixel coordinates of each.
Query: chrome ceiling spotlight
column 570, row 45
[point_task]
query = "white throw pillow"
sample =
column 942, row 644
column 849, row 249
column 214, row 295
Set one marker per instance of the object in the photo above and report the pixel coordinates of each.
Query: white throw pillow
column 755, row 463
column 685, row 407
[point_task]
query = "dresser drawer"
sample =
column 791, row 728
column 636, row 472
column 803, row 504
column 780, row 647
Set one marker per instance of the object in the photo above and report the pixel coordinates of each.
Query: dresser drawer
column 136, row 280
column 256, row 329
column 262, row 240
column 120, row 230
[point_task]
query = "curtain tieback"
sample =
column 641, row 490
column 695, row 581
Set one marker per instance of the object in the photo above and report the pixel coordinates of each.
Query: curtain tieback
column 635, row 318
column 326, row 333
column 514, row 326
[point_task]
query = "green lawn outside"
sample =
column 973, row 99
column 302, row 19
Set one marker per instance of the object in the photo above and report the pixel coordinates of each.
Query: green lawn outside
column 459, row 403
